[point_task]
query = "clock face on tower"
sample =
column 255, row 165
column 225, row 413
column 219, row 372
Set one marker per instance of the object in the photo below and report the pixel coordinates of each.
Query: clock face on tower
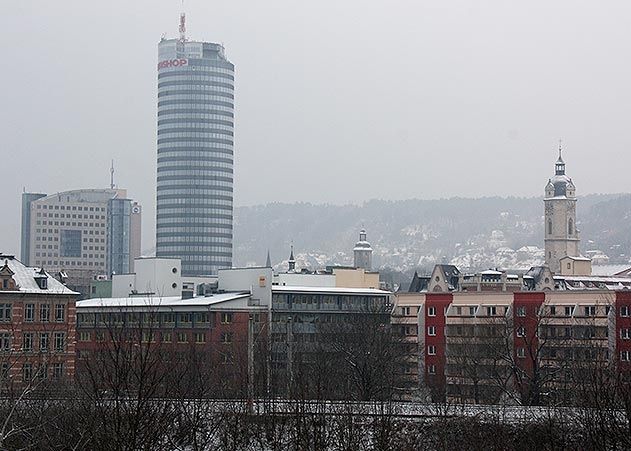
column 135, row 209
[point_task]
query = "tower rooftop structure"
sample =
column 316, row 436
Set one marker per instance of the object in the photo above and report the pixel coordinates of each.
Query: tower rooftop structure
column 362, row 252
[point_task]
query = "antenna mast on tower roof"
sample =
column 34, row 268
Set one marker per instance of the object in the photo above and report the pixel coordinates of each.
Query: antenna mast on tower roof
column 112, row 176
column 182, row 24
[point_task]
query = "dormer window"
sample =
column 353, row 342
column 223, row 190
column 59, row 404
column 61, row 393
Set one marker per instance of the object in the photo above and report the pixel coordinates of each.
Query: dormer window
column 41, row 279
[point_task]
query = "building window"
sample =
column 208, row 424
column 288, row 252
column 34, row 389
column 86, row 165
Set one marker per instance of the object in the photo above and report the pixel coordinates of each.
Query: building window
column 5, row 341
column 5, row 313
column 167, row 337
column 226, row 358
column 44, row 341
column 148, row 337
column 200, row 337
column 549, row 227
column 60, row 313
column 625, row 356
column 431, row 350
column 521, row 332
column 491, row 311
column 568, row 310
column 431, row 311
column 60, row 341
column 58, row 370
column 226, row 318
column 84, row 336
column 226, row 337
column 27, row 372
column 521, row 311
column 521, row 353
column 182, row 337
column 431, row 331
column 405, row 311
column 624, row 310
column 431, row 369
column 29, row 312
column 553, row 310
column 570, row 227
column 590, row 310
column 44, row 313
column 27, row 342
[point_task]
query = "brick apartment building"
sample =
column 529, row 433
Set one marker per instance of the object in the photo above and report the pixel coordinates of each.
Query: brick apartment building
column 482, row 347
column 37, row 326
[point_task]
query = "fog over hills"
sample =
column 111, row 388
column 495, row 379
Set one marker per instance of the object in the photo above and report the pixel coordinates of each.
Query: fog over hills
column 410, row 234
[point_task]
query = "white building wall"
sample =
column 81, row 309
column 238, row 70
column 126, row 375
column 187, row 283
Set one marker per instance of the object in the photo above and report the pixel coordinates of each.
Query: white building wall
column 123, row 285
column 305, row 280
column 160, row 276
column 256, row 280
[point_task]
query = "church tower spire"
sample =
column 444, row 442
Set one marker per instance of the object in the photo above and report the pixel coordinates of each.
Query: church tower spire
column 292, row 260
column 561, row 236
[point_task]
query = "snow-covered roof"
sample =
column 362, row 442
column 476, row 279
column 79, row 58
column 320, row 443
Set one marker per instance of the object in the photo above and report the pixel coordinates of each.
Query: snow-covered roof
column 329, row 290
column 170, row 302
column 609, row 270
column 580, row 259
column 24, row 277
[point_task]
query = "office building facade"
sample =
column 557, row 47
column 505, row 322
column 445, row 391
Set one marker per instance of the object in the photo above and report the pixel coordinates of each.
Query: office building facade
column 81, row 233
column 195, row 155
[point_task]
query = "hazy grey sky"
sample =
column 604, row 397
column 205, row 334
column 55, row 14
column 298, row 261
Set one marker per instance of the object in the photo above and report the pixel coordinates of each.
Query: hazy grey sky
column 336, row 101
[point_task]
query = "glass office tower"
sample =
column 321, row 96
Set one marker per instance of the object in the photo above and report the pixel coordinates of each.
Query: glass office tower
column 195, row 155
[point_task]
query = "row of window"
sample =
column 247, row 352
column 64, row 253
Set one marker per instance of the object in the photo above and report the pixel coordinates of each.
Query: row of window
column 196, row 127
column 568, row 310
column 70, row 223
column 73, row 216
column 210, row 81
column 218, row 73
column 28, row 341
column 214, row 92
column 198, row 120
column 64, row 207
column 194, row 135
column 219, row 148
column 6, row 312
column 198, row 100
column 164, row 319
column 57, row 263
column 165, row 337
column 30, row 372
column 56, row 231
column 197, row 111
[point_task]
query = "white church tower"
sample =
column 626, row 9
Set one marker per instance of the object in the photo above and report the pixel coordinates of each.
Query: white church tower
column 561, row 236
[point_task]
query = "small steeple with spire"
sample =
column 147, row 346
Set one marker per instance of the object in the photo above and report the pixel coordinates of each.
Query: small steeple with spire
column 560, row 164
column 268, row 261
column 292, row 260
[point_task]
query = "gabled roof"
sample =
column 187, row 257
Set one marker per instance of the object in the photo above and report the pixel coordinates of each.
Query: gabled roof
column 25, row 276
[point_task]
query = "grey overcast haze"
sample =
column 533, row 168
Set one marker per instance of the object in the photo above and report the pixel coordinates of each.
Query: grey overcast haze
column 336, row 101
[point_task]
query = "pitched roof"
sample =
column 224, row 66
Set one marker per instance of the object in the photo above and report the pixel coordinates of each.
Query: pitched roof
column 24, row 278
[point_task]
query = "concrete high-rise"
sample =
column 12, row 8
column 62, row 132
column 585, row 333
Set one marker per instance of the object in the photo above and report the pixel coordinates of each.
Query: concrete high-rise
column 195, row 154
column 83, row 233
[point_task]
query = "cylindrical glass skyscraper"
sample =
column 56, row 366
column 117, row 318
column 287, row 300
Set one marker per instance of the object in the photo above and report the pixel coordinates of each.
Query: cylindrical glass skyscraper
column 195, row 155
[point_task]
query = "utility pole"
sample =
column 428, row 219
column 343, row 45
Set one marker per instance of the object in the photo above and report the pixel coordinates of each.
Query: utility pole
column 250, row 361
column 290, row 356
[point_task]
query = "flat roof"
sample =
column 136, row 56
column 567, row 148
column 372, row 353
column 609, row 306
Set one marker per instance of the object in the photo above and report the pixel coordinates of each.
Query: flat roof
column 157, row 301
column 334, row 290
